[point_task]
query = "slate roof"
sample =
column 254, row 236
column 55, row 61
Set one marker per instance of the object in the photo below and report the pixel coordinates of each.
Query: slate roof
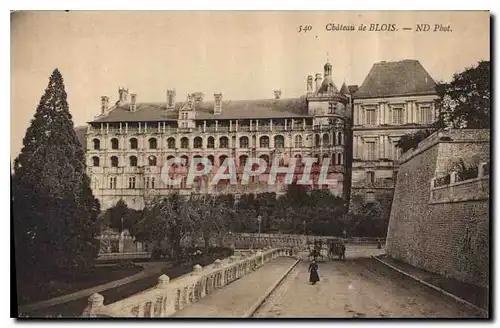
column 326, row 82
column 231, row 109
column 401, row 78
column 344, row 89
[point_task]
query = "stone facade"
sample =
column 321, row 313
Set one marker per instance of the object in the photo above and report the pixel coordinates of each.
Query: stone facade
column 127, row 145
column 443, row 227
column 395, row 99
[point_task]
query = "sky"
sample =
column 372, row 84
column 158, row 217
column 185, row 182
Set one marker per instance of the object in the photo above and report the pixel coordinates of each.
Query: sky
column 243, row 55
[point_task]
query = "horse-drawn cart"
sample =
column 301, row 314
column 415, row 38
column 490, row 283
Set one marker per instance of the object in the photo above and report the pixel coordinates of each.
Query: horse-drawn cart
column 336, row 248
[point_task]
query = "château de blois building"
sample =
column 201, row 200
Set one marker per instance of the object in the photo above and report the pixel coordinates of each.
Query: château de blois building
column 355, row 128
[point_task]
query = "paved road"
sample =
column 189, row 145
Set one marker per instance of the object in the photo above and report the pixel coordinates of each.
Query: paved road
column 357, row 287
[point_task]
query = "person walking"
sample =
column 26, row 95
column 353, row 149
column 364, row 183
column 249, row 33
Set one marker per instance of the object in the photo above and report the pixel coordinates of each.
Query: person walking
column 313, row 269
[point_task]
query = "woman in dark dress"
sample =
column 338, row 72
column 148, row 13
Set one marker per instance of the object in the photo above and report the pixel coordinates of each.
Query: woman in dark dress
column 313, row 276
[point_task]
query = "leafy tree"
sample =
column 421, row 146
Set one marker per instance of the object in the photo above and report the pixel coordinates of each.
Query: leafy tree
column 54, row 210
column 121, row 217
column 465, row 102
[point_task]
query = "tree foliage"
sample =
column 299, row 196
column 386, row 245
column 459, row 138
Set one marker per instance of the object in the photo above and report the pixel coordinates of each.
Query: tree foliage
column 121, row 217
column 54, row 210
column 465, row 102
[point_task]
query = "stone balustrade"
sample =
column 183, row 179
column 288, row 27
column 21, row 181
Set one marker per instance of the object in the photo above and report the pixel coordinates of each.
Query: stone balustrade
column 455, row 190
column 170, row 296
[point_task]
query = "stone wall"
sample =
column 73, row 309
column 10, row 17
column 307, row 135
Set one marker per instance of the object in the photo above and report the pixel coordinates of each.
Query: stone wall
column 443, row 229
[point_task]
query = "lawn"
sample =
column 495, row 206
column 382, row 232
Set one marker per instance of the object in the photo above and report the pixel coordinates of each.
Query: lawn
column 76, row 307
column 94, row 277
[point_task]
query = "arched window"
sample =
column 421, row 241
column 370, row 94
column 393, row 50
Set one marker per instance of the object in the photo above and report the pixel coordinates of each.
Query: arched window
column 326, row 139
column 114, row 143
column 298, row 141
column 264, row 142
column 184, row 143
column 244, row 142
column 211, row 159
column 317, row 140
column 112, row 183
column 152, row 160
column 186, row 160
column 339, row 138
column 265, row 158
column 339, row 159
column 133, row 143
column 97, row 144
column 211, row 142
column 222, row 158
column 152, row 143
column 95, row 161
column 133, row 161
column 171, row 143
column 198, row 142
column 114, row 161
column 223, row 142
column 279, row 141
column 243, row 160
column 170, row 158
column 334, row 139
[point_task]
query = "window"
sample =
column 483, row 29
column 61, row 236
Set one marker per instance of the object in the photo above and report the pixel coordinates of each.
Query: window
column 298, row 141
column 223, row 142
column 396, row 152
column 222, row 158
column 279, row 141
column 184, row 143
column 316, row 140
column 211, row 159
column 114, row 143
column 370, row 146
column 133, row 143
column 97, row 144
column 131, row 183
column 114, row 161
column 370, row 117
column 198, row 142
column 370, row 177
column 149, row 183
column 152, row 160
column 424, row 115
column 171, row 143
column 264, row 142
column 397, row 116
column 211, row 142
column 326, row 139
column 244, row 142
column 339, row 159
column 112, row 183
column 133, row 161
column 152, row 143
column 339, row 138
column 185, row 159
column 332, row 107
column 370, row 197
column 95, row 161
column 334, row 139
column 243, row 160
column 429, row 115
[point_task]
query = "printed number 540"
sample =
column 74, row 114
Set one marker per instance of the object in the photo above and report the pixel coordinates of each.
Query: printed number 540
column 304, row 28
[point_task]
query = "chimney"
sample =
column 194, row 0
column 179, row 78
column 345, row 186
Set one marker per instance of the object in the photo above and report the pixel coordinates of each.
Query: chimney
column 190, row 100
column 133, row 105
column 277, row 94
column 310, row 83
column 170, row 98
column 122, row 96
column 318, row 81
column 104, row 104
column 218, row 103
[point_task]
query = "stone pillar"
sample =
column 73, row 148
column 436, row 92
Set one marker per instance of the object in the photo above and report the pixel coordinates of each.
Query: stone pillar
column 95, row 301
column 216, row 125
column 285, row 123
column 204, row 126
column 304, row 123
column 217, row 264
column 197, row 269
column 257, row 125
column 293, row 121
column 236, row 125
column 126, row 127
column 230, row 125
column 271, row 125
column 107, row 128
column 163, row 281
column 250, row 125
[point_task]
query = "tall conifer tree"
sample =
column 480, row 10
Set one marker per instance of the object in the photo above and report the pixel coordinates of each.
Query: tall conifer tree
column 54, row 210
